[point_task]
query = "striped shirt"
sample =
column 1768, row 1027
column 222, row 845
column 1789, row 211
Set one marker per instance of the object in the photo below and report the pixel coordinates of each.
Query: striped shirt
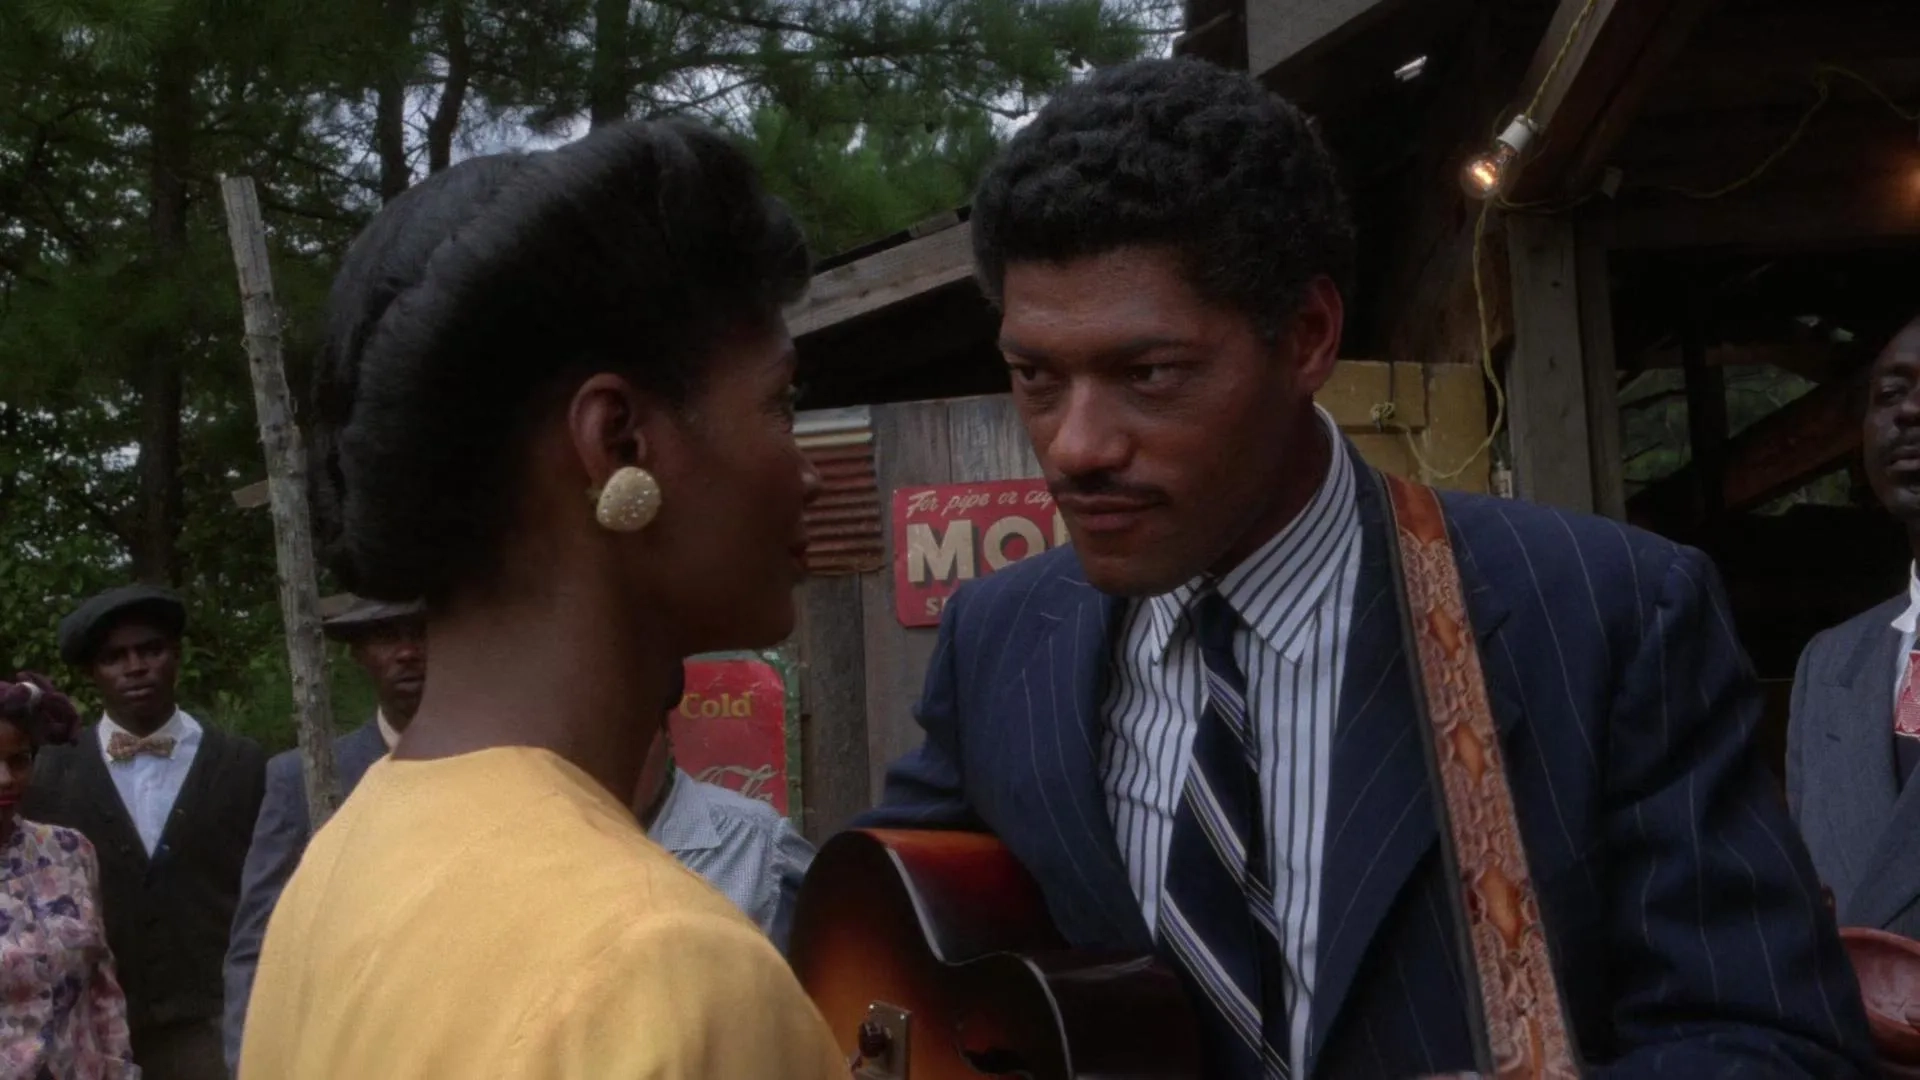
column 1295, row 595
column 742, row 846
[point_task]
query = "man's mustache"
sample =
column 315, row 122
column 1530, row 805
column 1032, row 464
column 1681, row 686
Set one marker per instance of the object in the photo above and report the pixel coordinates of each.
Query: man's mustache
column 1900, row 447
column 1104, row 485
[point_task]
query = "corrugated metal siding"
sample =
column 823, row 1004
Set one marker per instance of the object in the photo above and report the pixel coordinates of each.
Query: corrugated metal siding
column 843, row 524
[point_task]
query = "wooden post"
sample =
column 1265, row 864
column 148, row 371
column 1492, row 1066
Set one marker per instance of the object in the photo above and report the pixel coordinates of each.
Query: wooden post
column 1546, row 380
column 1597, row 357
column 287, row 496
column 1706, row 387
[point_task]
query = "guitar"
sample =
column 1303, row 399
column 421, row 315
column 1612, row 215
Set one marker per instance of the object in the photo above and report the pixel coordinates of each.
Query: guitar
column 932, row 957
column 1888, row 967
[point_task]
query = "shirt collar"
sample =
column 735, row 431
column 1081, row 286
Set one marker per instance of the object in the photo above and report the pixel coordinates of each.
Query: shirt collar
column 387, row 732
column 1907, row 620
column 180, row 727
column 1277, row 589
column 684, row 822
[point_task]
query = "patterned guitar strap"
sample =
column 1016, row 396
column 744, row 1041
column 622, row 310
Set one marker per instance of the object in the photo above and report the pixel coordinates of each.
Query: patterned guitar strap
column 1520, row 1030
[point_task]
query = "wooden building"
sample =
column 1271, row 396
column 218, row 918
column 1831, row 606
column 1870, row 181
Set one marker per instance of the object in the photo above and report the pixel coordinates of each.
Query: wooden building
column 1716, row 228
column 1682, row 280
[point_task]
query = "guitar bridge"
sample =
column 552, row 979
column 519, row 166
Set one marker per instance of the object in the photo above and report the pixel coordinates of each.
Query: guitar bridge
column 882, row 1043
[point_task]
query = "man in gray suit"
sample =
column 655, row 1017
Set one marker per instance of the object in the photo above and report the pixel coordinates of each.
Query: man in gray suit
column 1854, row 737
column 389, row 642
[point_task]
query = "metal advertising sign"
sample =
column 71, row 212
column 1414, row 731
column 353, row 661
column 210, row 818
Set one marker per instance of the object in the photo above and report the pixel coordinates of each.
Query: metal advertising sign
column 731, row 727
column 944, row 534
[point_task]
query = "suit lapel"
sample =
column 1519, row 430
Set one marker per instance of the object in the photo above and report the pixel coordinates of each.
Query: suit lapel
column 1380, row 816
column 356, row 754
column 1875, row 823
column 103, row 800
column 1054, row 706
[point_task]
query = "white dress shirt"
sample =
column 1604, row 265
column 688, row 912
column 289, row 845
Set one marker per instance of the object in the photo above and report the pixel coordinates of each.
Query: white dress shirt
column 387, row 733
column 1906, row 622
column 1295, row 597
column 148, row 783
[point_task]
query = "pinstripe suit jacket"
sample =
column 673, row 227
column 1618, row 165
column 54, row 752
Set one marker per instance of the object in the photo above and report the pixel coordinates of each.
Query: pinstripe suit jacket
column 1683, row 915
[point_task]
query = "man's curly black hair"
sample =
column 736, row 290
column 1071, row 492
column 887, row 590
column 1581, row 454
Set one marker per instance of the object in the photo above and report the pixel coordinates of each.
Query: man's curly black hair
column 1178, row 154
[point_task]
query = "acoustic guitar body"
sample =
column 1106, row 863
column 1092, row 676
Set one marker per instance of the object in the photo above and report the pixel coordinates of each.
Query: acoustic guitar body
column 932, row 957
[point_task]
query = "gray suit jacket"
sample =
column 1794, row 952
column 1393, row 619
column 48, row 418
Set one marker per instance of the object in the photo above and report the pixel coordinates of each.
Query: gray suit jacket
column 1862, row 829
column 279, row 838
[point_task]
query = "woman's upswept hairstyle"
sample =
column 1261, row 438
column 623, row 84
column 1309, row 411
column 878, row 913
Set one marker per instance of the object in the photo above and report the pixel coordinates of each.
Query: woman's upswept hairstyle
column 46, row 715
column 481, row 297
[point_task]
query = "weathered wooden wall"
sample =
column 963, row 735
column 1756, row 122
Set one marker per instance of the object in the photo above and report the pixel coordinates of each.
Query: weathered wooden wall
column 861, row 670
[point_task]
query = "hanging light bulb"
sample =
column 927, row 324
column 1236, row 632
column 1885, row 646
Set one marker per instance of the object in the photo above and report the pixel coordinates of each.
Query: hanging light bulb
column 1486, row 173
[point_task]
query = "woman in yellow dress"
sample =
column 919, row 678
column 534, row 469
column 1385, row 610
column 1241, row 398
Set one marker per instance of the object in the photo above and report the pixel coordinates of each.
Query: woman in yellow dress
column 555, row 402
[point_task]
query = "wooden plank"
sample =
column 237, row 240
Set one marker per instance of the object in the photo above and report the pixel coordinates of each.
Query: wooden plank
column 251, row 497
column 1802, row 440
column 884, row 278
column 1592, row 153
column 1453, row 442
column 1748, row 54
column 1357, row 386
column 944, row 220
column 1220, row 39
column 1870, row 209
column 1546, row 384
column 1586, row 105
column 1459, row 408
column 286, row 455
column 911, row 446
column 1279, row 31
column 1559, row 72
column 1603, row 384
column 1386, row 451
column 989, row 440
column 1707, row 152
column 1808, row 437
column 1706, row 390
column 1815, row 361
column 833, row 696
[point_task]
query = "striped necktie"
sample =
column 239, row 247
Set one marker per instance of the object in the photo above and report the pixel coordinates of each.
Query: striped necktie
column 1216, row 915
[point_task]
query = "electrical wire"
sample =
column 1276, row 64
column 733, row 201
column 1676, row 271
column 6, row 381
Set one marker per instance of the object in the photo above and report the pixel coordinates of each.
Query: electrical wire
column 1479, row 288
column 1823, row 76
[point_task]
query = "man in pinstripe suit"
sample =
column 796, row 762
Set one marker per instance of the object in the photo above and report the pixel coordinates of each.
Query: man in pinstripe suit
column 1196, row 726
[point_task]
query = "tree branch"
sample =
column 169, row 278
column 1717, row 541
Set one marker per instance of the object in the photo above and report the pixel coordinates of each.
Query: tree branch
column 310, row 213
column 453, row 96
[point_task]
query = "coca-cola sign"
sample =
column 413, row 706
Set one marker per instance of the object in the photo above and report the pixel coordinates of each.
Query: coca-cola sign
column 731, row 728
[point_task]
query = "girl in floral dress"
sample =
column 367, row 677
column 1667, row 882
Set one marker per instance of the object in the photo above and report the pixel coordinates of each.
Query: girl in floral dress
column 62, row 1016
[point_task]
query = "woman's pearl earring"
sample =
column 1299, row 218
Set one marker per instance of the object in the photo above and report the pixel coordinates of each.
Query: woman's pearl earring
column 629, row 502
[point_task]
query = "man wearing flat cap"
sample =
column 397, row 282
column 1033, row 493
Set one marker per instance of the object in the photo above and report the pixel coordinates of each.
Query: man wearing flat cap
column 169, row 805
column 388, row 641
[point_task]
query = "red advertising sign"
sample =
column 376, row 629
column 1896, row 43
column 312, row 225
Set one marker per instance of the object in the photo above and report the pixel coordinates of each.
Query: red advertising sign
column 731, row 728
column 944, row 534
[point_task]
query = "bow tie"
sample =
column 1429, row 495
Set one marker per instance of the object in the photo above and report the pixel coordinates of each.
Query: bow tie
column 124, row 747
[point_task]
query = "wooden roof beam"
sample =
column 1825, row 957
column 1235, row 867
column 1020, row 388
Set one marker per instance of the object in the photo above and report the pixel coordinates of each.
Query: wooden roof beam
column 1803, row 440
column 1621, row 51
column 920, row 265
column 1282, row 31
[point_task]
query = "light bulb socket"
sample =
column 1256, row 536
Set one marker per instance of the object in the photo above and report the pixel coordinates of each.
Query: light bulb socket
column 1519, row 134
